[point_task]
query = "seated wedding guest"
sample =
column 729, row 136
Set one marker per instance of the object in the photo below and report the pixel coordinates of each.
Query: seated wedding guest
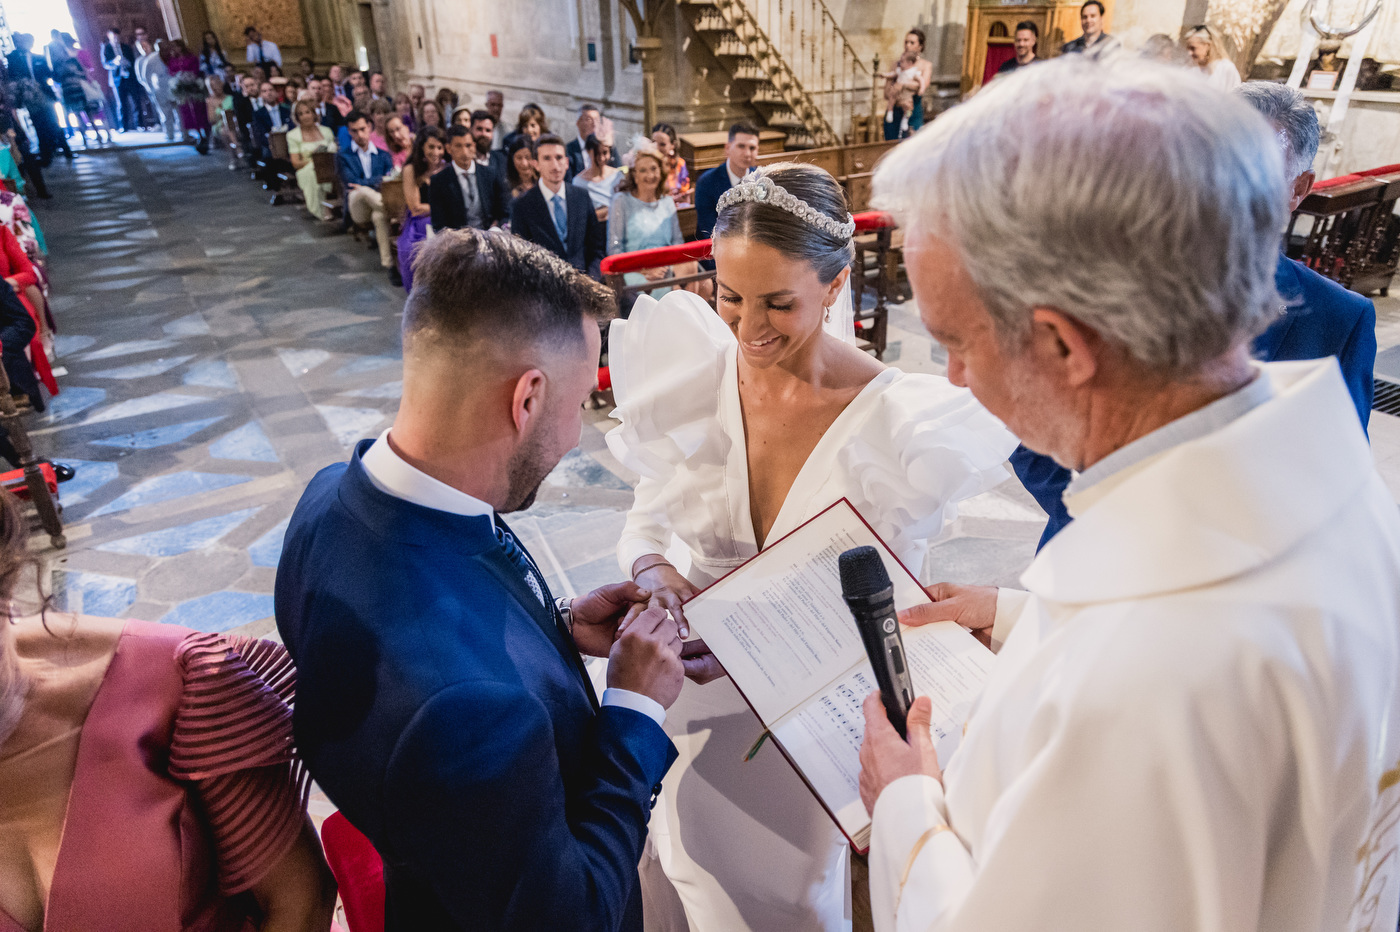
column 336, row 75
column 272, row 117
column 522, row 174
column 446, row 100
column 327, row 113
column 1094, row 42
column 308, row 68
column 465, row 194
column 379, row 112
column 557, row 215
column 416, row 95
column 303, row 141
column 741, row 845
column 531, row 123
column 590, row 122
column 483, row 128
column 1209, row 59
column 643, row 215
column 400, row 140
column 496, row 106
column 362, row 166
column 245, row 105
column 378, row 87
column 462, row 116
column 442, row 700
column 362, row 104
column 430, row 115
column 1193, row 722
column 740, row 156
column 599, row 179
column 19, row 332
column 678, row 186
column 404, row 109
column 148, row 781
column 427, row 160
column 1320, row 318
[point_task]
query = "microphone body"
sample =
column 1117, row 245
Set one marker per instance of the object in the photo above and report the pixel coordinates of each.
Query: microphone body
column 866, row 588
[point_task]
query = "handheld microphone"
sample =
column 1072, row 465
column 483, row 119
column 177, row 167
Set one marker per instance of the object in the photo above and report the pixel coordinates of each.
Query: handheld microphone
column 869, row 595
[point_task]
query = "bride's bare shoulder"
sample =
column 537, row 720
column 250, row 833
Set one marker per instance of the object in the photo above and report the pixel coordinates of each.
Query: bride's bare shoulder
column 850, row 365
column 77, row 638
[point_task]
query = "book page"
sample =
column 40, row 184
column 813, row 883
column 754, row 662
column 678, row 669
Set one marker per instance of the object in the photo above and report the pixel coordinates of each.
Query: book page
column 824, row 736
column 778, row 624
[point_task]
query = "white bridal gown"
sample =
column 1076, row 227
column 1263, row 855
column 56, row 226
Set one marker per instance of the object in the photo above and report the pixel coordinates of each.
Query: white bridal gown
column 746, row 845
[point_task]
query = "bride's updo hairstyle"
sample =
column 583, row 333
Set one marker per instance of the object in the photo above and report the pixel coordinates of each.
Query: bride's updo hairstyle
column 822, row 246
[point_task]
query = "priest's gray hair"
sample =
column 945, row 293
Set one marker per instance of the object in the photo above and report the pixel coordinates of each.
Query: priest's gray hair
column 1293, row 114
column 1126, row 194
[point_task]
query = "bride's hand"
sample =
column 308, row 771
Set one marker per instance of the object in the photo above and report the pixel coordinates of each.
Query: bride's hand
column 668, row 590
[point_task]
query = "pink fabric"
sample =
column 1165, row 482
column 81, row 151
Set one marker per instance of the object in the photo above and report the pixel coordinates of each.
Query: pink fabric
column 137, row 855
column 359, row 873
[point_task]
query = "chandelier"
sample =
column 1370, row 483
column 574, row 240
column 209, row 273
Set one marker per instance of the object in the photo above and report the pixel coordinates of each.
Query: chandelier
column 1330, row 26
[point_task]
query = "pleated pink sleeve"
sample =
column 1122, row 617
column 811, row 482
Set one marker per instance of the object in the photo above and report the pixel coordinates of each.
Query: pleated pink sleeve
column 233, row 740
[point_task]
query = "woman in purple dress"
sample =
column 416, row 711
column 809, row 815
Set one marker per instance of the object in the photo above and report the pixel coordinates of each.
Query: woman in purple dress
column 426, row 161
column 188, row 88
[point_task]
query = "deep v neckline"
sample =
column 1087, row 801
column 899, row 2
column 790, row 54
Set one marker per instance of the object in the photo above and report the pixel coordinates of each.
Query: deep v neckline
column 738, row 466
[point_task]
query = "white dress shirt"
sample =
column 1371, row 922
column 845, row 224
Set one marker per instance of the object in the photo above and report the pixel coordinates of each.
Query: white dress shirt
column 733, row 178
column 270, row 53
column 392, row 475
column 366, row 157
column 549, row 197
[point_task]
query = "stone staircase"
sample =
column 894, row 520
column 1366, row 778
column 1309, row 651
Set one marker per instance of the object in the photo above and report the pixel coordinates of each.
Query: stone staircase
column 790, row 60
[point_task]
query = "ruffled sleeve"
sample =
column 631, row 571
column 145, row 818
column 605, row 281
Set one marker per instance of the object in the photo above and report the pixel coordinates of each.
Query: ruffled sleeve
column 923, row 447
column 667, row 361
column 233, row 740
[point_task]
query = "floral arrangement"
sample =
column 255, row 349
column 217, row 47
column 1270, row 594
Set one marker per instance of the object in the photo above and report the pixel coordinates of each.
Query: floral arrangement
column 187, row 87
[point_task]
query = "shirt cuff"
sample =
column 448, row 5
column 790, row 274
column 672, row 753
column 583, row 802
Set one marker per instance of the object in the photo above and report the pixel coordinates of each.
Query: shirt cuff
column 1010, row 604
column 627, row 699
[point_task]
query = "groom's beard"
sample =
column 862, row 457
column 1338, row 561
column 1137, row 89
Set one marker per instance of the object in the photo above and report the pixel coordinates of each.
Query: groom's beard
column 528, row 469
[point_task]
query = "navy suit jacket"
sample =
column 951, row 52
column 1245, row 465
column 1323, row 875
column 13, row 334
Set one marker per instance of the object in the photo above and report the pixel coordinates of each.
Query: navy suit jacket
column 530, row 218
column 708, row 191
column 449, row 207
column 1321, row 318
column 443, row 710
column 352, row 172
column 332, row 118
column 262, row 126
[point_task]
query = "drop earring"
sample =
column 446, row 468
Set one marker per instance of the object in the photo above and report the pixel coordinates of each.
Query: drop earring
column 828, row 313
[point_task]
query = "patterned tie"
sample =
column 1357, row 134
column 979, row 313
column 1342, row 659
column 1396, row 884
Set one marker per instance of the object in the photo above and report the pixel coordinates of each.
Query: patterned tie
column 561, row 222
column 520, row 561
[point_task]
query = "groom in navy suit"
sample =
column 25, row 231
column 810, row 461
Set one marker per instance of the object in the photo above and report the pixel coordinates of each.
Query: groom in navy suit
column 442, row 703
column 557, row 215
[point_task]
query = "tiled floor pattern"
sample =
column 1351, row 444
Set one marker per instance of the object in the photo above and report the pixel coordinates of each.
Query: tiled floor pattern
column 220, row 351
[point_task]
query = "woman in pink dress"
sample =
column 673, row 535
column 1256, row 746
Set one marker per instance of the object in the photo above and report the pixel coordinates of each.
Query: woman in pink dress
column 148, row 781
column 189, row 90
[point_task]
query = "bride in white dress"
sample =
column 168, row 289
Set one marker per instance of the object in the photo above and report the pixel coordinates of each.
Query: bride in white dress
column 743, row 424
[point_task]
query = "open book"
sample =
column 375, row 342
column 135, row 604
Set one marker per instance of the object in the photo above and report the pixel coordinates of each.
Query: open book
column 779, row 626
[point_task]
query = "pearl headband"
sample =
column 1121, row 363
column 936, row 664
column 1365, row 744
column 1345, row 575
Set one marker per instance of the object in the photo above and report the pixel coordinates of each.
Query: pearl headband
column 760, row 189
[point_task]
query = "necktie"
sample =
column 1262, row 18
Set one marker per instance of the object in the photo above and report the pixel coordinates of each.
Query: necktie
column 561, row 223
column 520, row 561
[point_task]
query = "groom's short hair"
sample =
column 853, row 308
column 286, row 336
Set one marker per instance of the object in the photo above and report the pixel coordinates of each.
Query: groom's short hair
column 471, row 287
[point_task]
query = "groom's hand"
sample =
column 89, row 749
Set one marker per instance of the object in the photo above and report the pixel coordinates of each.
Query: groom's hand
column 646, row 658
column 597, row 614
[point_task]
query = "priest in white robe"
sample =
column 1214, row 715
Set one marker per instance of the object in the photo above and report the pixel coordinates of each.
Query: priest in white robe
column 1193, row 722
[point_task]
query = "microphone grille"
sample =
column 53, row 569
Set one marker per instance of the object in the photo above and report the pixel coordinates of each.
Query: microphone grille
column 862, row 572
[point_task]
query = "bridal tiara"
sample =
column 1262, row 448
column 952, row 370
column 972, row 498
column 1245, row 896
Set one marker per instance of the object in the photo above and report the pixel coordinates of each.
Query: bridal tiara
column 761, row 189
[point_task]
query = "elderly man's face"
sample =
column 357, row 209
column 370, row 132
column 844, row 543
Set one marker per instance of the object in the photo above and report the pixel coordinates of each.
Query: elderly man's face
column 1007, row 384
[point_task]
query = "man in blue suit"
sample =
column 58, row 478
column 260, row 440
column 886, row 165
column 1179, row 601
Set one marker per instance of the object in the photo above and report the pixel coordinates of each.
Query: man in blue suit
column 557, row 215
column 740, row 157
column 362, row 168
column 442, row 703
column 1320, row 317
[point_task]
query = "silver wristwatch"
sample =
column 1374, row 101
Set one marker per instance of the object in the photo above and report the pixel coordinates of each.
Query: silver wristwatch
column 566, row 612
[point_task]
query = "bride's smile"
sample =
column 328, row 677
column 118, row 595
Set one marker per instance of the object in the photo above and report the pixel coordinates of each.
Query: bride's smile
column 773, row 303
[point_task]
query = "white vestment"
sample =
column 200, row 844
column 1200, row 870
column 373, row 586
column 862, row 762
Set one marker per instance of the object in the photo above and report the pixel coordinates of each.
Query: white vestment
column 1193, row 723
column 745, row 845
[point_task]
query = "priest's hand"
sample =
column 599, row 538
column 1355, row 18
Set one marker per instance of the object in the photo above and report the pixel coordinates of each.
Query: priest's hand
column 973, row 607
column 598, row 614
column 885, row 756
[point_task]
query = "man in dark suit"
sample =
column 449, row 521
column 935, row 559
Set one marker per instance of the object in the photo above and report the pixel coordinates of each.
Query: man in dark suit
column 327, row 113
column 467, row 194
column 560, row 216
column 483, row 134
column 271, row 117
column 1320, row 317
column 740, row 157
column 442, row 702
column 36, row 91
column 120, row 61
column 245, row 104
column 589, row 122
